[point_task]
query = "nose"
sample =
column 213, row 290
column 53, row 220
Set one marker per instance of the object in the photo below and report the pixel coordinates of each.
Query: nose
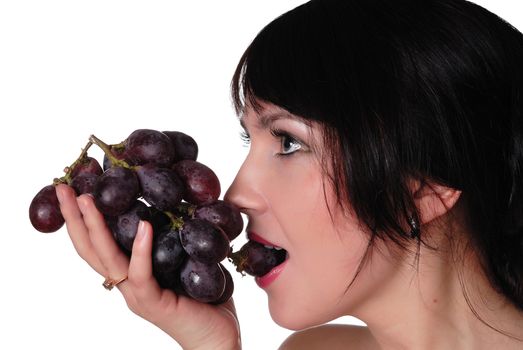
column 245, row 191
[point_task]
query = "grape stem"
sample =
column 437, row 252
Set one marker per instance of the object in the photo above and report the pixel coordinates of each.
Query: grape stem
column 187, row 209
column 176, row 222
column 107, row 150
column 66, row 179
column 238, row 259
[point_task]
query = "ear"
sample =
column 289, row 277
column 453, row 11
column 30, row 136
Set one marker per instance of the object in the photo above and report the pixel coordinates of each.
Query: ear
column 433, row 200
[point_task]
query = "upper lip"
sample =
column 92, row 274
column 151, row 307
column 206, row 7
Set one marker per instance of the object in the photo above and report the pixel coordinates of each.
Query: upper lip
column 253, row 236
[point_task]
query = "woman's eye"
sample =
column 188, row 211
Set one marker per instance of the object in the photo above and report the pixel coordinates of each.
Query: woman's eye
column 289, row 145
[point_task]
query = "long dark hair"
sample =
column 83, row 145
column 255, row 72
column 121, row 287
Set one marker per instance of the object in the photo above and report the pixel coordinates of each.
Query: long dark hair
column 407, row 89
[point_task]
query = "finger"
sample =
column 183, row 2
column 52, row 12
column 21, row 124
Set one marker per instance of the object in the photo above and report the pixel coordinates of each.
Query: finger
column 76, row 227
column 229, row 305
column 140, row 266
column 111, row 256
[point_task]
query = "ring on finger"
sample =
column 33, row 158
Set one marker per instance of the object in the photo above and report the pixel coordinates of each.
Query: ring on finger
column 110, row 283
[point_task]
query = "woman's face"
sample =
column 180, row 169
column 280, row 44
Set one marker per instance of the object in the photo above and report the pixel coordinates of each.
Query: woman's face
column 282, row 189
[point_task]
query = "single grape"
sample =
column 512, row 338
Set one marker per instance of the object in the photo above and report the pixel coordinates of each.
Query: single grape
column 87, row 165
column 44, row 211
column 115, row 191
column 171, row 281
column 144, row 146
column 229, row 287
column 158, row 219
column 202, row 282
column 84, row 183
column 223, row 214
column 168, row 253
column 257, row 260
column 124, row 226
column 204, row 241
column 118, row 151
column 185, row 146
column 201, row 183
column 161, row 187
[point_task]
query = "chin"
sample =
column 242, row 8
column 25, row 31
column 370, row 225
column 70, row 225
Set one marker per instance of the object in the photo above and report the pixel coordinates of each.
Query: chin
column 292, row 318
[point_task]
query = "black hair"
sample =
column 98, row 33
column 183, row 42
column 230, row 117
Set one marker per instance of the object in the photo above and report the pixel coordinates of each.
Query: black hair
column 407, row 89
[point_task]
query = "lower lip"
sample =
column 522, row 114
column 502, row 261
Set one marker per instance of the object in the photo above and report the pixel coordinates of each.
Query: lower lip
column 265, row 280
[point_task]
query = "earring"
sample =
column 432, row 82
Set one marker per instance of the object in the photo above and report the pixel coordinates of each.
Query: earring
column 414, row 227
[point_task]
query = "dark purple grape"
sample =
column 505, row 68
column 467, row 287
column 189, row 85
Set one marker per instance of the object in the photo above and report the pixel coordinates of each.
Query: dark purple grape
column 158, row 220
column 171, row 281
column 229, row 287
column 204, row 241
column 202, row 282
column 257, row 260
column 168, row 253
column 223, row 214
column 145, row 146
column 202, row 184
column 124, row 226
column 116, row 191
column 87, row 165
column 185, row 147
column 84, row 183
column 118, row 152
column 44, row 211
column 161, row 187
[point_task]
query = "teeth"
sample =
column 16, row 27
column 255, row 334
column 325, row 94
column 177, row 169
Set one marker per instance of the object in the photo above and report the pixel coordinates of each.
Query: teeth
column 272, row 247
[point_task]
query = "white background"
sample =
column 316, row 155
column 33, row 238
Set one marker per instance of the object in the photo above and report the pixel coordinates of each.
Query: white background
column 69, row 69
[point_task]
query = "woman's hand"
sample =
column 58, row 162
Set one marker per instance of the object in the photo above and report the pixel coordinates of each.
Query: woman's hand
column 192, row 324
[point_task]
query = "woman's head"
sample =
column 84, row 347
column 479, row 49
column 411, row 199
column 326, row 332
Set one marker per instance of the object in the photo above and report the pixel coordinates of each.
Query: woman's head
column 281, row 188
column 408, row 91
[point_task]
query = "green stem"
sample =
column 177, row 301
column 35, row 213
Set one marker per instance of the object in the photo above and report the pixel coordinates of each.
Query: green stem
column 238, row 259
column 119, row 146
column 66, row 179
column 186, row 208
column 107, row 150
column 177, row 222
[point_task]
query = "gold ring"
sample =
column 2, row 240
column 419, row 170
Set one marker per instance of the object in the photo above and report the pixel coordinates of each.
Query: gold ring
column 109, row 283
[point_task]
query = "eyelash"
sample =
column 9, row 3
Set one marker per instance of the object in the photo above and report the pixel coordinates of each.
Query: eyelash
column 246, row 138
column 282, row 135
column 279, row 134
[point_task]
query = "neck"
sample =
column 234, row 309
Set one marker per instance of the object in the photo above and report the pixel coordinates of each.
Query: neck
column 440, row 304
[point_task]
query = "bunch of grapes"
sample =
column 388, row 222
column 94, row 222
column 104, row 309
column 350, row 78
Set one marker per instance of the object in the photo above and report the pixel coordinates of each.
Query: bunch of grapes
column 154, row 176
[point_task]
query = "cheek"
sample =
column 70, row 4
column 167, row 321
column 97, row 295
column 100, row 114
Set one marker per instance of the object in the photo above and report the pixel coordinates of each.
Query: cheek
column 294, row 190
column 325, row 252
column 315, row 287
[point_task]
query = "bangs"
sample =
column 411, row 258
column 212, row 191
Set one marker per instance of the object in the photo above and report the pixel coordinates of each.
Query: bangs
column 265, row 71
column 291, row 65
column 333, row 67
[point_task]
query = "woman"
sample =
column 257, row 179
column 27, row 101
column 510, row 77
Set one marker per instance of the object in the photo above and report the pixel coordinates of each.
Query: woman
column 386, row 148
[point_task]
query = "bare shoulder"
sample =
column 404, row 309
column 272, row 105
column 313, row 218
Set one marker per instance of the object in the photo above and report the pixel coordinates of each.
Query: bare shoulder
column 331, row 336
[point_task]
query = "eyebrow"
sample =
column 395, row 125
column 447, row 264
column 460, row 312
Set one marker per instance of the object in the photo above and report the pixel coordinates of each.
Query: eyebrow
column 264, row 120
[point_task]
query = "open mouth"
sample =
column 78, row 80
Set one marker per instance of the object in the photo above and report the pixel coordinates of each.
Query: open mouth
column 258, row 257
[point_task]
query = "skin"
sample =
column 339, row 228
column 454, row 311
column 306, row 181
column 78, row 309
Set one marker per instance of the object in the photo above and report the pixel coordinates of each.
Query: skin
column 283, row 196
column 193, row 325
column 290, row 204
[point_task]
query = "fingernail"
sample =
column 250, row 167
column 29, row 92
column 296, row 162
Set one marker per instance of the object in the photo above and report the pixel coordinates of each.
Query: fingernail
column 58, row 193
column 141, row 230
column 81, row 202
